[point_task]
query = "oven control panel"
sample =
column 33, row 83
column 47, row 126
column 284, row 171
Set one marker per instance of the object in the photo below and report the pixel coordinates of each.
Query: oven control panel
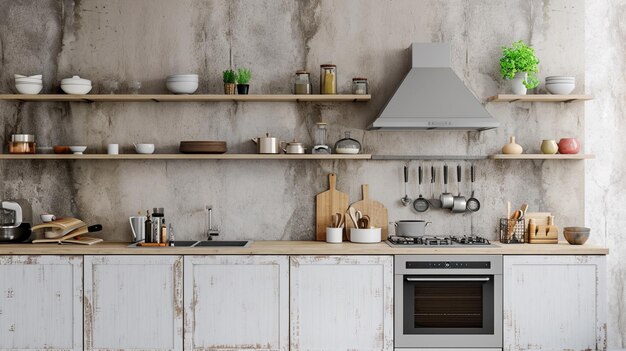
column 448, row 265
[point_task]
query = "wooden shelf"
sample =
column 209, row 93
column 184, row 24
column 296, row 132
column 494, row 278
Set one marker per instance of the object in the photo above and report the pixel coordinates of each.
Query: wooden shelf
column 185, row 98
column 184, row 157
column 538, row 98
column 542, row 157
column 427, row 157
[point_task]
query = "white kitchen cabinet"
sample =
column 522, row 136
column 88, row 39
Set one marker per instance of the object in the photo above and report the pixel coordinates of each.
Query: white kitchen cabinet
column 40, row 303
column 341, row 303
column 236, row 303
column 555, row 303
column 133, row 302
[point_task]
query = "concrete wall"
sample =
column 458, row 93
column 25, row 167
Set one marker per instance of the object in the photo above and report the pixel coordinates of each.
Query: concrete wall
column 148, row 40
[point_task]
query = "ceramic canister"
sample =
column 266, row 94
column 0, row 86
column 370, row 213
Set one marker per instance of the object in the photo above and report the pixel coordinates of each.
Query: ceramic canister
column 549, row 147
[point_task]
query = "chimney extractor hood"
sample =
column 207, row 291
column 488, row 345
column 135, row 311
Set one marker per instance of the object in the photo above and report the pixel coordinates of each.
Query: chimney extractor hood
column 432, row 96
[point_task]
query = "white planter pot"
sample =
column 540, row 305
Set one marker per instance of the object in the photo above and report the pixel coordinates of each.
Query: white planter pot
column 517, row 83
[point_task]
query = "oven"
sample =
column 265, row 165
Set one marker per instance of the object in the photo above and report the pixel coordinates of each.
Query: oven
column 448, row 302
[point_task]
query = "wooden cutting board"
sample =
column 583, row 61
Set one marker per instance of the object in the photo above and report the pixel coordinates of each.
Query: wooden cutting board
column 376, row 210
column 328, row 203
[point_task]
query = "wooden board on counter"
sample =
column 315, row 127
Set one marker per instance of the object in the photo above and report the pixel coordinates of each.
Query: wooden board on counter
column 328, row 203
column 284, row 247
column 374, row 209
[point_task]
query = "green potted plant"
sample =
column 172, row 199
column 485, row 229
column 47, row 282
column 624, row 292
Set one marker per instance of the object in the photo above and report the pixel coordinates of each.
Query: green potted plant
column 519, row 64
column 243, row 78
column 230, row 77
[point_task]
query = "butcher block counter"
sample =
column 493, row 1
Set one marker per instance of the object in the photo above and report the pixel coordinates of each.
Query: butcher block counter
column 301, row 248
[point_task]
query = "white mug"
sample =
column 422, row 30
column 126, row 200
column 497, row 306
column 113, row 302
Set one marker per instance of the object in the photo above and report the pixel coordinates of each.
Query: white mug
column 334, row 235
column 113, row 149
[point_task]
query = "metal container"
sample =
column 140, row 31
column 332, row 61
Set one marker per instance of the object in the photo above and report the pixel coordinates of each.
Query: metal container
column 411, row 228
column 137, row 227
column 158, row 218
column 13, row 227
column 294, row 148
column 267, row 144
column 22, row 144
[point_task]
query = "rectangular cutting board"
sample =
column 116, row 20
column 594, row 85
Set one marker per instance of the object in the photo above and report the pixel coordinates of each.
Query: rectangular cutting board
column 328, row 203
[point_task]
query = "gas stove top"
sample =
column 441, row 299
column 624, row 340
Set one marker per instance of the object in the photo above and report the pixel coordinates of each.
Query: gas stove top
column 448, row 240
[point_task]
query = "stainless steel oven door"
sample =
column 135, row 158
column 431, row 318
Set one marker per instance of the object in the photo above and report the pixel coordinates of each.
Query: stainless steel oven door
column 444, row 307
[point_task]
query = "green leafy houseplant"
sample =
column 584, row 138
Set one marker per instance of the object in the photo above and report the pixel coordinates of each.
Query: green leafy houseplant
column 230, row 77
column 243, row 76
column 520, row 58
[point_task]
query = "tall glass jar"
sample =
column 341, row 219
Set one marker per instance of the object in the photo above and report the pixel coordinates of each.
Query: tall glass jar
column 319, row 139
column 303, row 83
column 328, row 79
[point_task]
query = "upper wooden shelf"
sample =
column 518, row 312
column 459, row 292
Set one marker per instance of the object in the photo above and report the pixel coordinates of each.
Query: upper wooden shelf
column 185, row 98
column 542, row 157
column 184, row 157
column 538, row 98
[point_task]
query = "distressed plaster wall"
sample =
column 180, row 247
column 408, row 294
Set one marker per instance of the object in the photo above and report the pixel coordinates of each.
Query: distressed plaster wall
column 148, row 40
column 604, row 183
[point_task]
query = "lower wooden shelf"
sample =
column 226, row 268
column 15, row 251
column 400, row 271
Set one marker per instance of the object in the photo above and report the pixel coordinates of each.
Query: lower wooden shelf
column 542, row 157
column 184, row 157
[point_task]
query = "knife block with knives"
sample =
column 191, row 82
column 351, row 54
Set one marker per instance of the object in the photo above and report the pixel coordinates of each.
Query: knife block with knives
column 541, row 228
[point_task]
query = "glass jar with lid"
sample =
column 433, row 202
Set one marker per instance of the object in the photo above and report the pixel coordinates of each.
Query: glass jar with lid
column 328, row 79
column 22, row 144
column 347, row 145
column 320, row 139
column 359, row 86
column 303, row 83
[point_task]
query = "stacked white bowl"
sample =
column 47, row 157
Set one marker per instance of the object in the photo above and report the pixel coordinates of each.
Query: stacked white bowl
column 76, row 85
column 560, row 85
column 182, row 83
column 31, row 85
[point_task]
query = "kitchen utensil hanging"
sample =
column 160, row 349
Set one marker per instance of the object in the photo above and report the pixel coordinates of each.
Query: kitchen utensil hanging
column 420, row 204
column 473, row 204
column 406, row 200
column 459, row 204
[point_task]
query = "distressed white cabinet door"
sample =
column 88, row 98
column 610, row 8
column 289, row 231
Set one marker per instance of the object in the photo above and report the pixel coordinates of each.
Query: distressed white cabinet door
column 555, row 303
column 341, row 303
column 133, row 302
column 40, row 303
column 236, row 303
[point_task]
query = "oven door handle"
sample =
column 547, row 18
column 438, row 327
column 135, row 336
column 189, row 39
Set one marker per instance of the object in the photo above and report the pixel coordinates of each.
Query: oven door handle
column 468, row 279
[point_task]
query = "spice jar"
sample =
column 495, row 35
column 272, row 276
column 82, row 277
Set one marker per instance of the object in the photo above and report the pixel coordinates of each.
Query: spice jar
column 347, row 145
column 359, row 86
column 303, row 83
column 328, row 79
column 22, row 144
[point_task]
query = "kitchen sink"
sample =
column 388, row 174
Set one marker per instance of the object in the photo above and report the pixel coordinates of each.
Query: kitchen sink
column 220, row 243
column 185, row 243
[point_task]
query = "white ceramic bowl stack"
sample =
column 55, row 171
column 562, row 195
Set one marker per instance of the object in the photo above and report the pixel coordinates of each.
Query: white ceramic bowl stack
column 182, row 83
column 560, row 85
column 76, row 85
column 31, row 85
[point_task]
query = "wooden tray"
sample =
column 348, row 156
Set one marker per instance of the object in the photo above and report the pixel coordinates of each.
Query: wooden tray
column 202, row 147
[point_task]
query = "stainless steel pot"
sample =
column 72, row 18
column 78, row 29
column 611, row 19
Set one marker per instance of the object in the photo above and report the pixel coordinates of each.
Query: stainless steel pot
column 459, row 204
column 294, row 148
column 447, row 199
column 411, row 228
column 267, row 144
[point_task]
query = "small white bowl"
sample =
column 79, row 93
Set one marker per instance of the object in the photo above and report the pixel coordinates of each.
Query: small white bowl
column 46, row 217
column 29, row 88
column 144, row 148
column 365, row 236
column 78, row 150
column 75, row 89
column 28, row 80
column 186, row 77
column 182, row 87
column 560, row 88
column 37, row 76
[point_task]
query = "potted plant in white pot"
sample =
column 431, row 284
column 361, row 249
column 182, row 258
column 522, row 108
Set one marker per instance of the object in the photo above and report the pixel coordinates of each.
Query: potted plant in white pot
column 243, row 80
column 519, row 64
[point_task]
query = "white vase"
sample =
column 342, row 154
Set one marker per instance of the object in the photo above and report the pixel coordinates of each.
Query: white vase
column 517, row 83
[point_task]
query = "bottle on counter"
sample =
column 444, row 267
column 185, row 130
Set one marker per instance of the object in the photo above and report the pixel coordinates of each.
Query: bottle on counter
column 158, row 217
column 328, row 79
column 170, row 232
column 163, row 238
column 148, row 228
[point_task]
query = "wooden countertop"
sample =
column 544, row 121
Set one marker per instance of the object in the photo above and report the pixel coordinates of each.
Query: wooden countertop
column 300, row 248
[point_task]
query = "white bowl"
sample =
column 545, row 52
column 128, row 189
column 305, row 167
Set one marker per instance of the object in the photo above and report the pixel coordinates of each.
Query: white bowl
column 28, row 80
column 560, row 77
column 29, row 88
column 365, row 236
column 182, row 87
column 76, row 89
column 78, row 150
column 183, row 77
column 75, row 80
column 560, row 88
column 37, row 76
column 144, row 148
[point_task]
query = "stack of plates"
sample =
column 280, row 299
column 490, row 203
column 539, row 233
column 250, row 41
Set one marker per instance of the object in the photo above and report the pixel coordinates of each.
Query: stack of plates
column 182, row 83
column 560, row 85
column 28, row 85
column 202, row 147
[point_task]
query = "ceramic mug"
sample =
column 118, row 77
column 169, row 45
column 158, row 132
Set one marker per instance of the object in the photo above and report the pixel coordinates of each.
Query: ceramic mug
column 334, row 235
column 569, row 146
column 549, row 147
column 113, row 149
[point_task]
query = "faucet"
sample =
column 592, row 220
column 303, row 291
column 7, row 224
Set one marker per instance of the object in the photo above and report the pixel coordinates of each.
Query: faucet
column 211, row 232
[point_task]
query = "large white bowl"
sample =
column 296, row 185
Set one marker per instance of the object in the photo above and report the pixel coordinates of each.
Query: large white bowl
column 78, row 150
column 28, row 80
column 560, row 88
column 29, row 88
column 182, row 87
column 560, row 77
column 76, row 89
column 365, row 236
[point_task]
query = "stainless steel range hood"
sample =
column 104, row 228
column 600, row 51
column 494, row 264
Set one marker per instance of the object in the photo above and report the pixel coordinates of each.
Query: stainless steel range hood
column 432, row 96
